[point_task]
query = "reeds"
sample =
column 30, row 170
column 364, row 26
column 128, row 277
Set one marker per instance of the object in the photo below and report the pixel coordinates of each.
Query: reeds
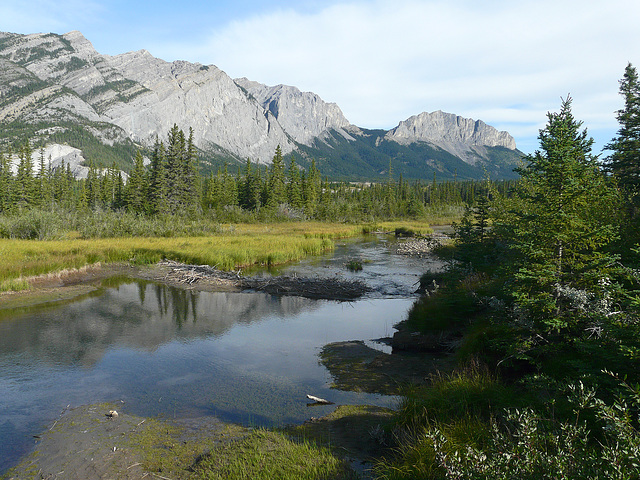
column 231, row 248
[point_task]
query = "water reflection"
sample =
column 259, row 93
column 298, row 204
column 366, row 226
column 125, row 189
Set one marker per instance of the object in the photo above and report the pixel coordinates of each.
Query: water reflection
column 244, row 357
column 139, row 315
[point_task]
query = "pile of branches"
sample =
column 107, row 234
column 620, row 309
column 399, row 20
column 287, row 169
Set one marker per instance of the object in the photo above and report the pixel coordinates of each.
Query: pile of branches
column 191, row 274
column 332, row 288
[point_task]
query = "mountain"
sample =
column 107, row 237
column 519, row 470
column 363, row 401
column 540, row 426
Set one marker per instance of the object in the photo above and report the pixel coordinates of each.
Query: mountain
column 57, row 89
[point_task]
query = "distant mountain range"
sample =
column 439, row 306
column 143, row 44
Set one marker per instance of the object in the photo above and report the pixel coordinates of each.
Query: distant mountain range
column 58, row 90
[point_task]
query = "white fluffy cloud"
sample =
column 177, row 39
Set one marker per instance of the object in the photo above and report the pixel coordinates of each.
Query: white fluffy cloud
column 501, row 61
column 507, row 63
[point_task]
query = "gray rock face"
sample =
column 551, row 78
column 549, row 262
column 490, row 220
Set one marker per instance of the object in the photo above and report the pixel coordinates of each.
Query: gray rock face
column 59, row 156
column 61, row 81
column 462, row 137
column 303, row 115
column 192, row 95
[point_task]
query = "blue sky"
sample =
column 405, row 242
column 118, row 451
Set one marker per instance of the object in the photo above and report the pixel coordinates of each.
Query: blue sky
column 505, row 62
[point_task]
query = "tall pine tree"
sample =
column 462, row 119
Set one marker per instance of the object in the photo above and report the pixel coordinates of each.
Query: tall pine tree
column 559, row 227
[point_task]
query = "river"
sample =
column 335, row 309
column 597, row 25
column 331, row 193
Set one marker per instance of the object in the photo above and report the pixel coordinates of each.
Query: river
column 155, row 350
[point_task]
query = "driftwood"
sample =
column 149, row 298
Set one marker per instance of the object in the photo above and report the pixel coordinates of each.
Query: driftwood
column 332, row 288
column 318, row 401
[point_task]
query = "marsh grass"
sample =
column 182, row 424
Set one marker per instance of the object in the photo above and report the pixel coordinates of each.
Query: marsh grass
column 14, row 285
column 268, row 455
column 233, row 247
column 354, row 265
column 459, row 405
column 417, row 227
column 233, row 452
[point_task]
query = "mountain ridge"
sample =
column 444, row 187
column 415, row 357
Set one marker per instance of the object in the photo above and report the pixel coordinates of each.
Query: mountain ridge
column 61, row 84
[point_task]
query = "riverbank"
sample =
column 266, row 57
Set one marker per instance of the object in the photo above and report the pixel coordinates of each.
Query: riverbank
column 360, row 426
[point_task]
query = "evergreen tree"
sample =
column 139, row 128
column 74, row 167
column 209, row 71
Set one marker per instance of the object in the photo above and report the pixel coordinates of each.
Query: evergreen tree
column 190, row 174
column 158, row 190
column 229, row 188
column 294, row 185
column 559, row 227
column 6, row 184
column 276, row 186
column 93, row 185
column 251, row 188
column 25, row 185
column 311, row 190
column 624, row 162
column 135, row 190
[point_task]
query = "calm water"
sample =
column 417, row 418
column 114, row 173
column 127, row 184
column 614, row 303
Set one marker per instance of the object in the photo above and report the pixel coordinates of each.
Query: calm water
column 243, row 357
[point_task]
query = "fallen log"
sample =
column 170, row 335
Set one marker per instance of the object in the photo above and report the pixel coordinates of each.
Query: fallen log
column 318, row 400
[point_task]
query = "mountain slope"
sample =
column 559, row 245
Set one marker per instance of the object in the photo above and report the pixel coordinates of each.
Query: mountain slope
column 58, row 88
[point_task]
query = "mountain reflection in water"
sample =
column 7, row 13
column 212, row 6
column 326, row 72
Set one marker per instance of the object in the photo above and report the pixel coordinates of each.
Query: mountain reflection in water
column 137, row 315
column 244, row 357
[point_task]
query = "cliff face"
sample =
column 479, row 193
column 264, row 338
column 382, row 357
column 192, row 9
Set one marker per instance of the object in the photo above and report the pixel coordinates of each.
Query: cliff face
column 463, row 137
column 57, row 88
column 303, row 115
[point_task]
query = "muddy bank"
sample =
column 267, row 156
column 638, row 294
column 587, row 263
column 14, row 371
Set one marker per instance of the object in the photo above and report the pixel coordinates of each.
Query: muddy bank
column 357, row 367
column 88, row 442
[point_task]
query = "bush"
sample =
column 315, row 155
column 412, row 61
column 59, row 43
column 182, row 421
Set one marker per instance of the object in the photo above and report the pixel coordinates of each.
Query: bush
column 36, row 224
column 109, row 224
column 529, row 446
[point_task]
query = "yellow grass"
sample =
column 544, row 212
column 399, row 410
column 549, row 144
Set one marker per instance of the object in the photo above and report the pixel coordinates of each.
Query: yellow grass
column 239, row 246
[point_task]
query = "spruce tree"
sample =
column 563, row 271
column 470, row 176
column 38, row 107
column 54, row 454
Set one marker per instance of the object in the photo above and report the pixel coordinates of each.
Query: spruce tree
column 312, row 190
column 135, row 190
column 25, row 185
column 559, row 226
column 276, row 186
column 158, row 190
column 6, row 184
column 294, row 185
column 624, row 162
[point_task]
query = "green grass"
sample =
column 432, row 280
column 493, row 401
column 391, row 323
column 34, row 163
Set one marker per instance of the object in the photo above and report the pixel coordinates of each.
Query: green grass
column 272, row 455
column 235, row 246
column 233, row 452
column 14, row 285
column 354, row 265
column 460, row 405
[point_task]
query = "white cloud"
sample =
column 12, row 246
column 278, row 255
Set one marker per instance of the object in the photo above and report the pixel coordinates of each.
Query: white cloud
column 385, row 61
column 43, row 16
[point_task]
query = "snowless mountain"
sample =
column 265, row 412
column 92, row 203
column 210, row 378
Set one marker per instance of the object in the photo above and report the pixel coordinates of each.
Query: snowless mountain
column 57, row 89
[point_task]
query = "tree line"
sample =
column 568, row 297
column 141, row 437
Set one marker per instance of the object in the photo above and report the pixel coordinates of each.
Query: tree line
column 170, row 184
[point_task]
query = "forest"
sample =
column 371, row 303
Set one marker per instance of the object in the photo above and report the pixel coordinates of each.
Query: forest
column 540, row 305
column 171, row 186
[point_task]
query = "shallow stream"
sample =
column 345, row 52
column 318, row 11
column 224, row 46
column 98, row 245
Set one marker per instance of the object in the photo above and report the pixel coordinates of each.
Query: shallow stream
column 249, row 358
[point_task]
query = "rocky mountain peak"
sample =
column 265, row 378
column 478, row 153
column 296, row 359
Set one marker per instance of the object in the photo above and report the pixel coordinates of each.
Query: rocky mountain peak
column 62, row 85
column 303, row 115
column 462, row 137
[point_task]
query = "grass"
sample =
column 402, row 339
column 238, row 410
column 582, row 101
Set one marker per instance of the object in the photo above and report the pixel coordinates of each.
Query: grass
column 414, row 226
column 268, row 455
column 233, row 452
column 354, row 265
column 14, row 285
column 236, row 246
column 460, row 405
